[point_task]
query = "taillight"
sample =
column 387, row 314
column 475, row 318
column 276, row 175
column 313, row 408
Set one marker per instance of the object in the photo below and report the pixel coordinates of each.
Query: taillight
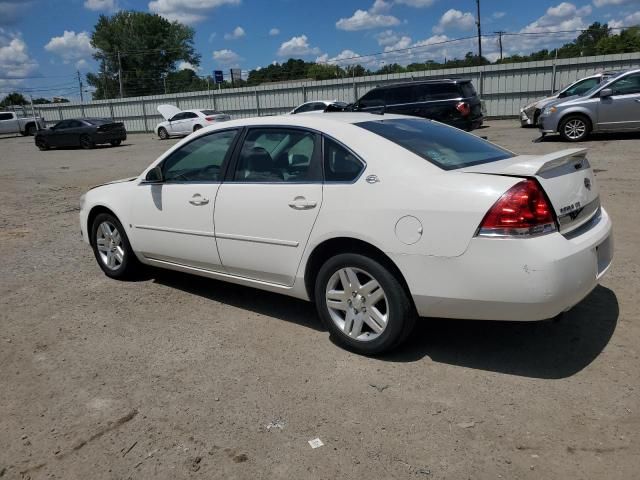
column 524, row 210
column 210, row 119
column 463, row 108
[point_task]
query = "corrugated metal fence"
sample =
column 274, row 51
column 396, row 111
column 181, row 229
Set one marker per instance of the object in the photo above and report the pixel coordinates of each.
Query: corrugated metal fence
column 504, row 89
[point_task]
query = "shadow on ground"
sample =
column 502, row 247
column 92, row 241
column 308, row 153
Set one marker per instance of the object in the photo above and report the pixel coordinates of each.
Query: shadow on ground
column 594, row 137
column 550, row 349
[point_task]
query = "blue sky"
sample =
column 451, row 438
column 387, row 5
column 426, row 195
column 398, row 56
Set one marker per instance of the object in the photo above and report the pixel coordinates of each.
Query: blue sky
column 44, row 42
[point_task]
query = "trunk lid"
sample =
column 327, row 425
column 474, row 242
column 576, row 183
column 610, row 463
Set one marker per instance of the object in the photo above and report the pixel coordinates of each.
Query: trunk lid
column 168, row 111
column 219, row 117
column 566, row 177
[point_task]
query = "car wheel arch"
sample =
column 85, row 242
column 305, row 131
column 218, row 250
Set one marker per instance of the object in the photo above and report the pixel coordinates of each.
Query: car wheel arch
column 576, row 113
column 93, row 213
column 337, row 245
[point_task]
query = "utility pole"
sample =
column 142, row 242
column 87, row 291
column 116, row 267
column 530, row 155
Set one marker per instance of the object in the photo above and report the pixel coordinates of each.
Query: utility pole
column 479, row 31
column 164, row 81
column 80, row 85
column 500, row 33
column 120, row 74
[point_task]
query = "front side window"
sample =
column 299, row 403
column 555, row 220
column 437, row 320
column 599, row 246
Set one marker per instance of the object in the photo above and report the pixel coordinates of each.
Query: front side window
column 627, row 85
column 61, row 125
column 340, row 165
column 190, row 115
column 178, row 116
column 74, row 124
column 445, row 147
column 303, row 108
column 278, row 155
column 200, row 160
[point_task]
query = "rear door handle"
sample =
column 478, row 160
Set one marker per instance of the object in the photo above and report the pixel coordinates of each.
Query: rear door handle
column 301, row 203
column 198, row 200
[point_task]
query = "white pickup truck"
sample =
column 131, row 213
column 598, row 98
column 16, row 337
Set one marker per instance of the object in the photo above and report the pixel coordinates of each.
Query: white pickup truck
column 11, row 122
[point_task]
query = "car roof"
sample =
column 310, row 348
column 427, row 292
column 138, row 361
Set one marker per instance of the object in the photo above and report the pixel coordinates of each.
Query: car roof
column 424, row 82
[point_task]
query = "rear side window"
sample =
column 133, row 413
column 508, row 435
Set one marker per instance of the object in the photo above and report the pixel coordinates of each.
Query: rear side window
column 445, row 147
column 443, row 91
column 400, row 95
column 375, row 98
column 467, row 90
column 340, row 165
column 6, row 116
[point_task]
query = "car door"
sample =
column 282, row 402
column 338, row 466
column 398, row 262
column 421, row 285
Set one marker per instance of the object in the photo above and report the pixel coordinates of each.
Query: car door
column 621, row 111
column 267, row 206
column 59, row 131
column 175, row 126
column 173, row 220
column 71, row 136
column 8, row 122
column 189, row 122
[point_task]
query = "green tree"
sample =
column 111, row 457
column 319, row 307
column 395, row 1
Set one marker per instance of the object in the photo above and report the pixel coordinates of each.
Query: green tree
column 149, row 47
column 41, row 100
column 14, row 98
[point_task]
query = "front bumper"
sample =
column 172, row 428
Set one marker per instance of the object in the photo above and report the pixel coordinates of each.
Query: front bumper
column 525, row 119
column 510, row 279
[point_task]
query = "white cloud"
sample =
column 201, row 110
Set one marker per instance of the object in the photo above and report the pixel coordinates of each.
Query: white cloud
column 101, row 5
column 498, row 15
column 13, row 10
column 187, row 11
column 227, row 57
column 564, row 16
column 15, row 61
column 187, row 66
column 82, row 64
column 628, row 21
column 348, row 57
column 274, row 31
column 237, row 33
column 401, row 43
column 212, row 36
column 366, row 19
column 387, row 37
column 605, row 3
column 455, row 19
column 71, row 46
column 297, row 47
column 416, row 3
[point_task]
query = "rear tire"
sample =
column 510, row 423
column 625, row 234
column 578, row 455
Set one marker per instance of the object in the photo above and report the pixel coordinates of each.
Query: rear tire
column 86, row 142
column 162, row 133
column 112, row 249
column 363, row 305
column 574, row 128
column 197, row 127
column 31, row 130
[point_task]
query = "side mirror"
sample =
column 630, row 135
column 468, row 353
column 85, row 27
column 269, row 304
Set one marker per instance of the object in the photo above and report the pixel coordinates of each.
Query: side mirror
column 606, row 92
column 154, row 175
column 562, row 95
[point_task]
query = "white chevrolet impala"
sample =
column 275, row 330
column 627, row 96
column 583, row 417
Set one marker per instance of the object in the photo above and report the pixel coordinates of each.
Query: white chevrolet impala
column 378, row 219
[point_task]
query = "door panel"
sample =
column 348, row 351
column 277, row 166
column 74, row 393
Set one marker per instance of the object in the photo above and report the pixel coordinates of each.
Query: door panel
column 621, row 111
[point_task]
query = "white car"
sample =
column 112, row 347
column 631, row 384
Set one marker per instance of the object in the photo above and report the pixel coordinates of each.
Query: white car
column 316, row 106
column 375, row 218
column 183, row 122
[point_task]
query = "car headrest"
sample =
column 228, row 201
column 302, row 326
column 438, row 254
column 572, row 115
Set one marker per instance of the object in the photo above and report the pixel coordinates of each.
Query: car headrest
column 259, row 160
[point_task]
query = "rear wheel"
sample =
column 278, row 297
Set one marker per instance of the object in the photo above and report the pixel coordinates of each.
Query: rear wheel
column 363, row 305
column 574, row 128
column 115, row 143
column 111, row 247
column 31, row 130
column 162, row 133
column 197, row 127
column 42, row 144
column 86, row 142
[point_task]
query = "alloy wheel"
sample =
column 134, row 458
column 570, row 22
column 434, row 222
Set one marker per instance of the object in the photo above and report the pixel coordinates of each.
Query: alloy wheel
column 575, row 129
column 109, row 245
column 357, row 304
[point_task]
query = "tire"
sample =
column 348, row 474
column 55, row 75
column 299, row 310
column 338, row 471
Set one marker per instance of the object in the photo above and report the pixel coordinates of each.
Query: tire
column 31, row 130
column 536, row 117
column 42, row 144
column 163, row 134
column 115, row 143
column 86, row 142
column 113, row 253
column 574, row 128
column 196, row 127
column 354, row 314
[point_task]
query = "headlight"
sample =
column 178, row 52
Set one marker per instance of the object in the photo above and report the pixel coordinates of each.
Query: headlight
column 549, row 110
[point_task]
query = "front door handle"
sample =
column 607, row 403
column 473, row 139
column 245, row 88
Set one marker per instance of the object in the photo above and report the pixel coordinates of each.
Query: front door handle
column 198, row 200
column 301, row 203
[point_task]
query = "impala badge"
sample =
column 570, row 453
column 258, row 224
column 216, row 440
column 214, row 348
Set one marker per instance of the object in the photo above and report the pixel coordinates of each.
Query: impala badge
column 372, row 179
column 587, row 183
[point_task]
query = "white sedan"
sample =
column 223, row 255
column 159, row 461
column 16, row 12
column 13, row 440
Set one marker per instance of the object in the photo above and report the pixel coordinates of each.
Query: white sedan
column 317, row 106
column 378, row 219
column 183, row 122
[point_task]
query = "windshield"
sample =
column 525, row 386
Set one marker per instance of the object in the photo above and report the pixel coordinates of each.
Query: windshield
column 604, row 82
column 444, row 146
column 210, row 112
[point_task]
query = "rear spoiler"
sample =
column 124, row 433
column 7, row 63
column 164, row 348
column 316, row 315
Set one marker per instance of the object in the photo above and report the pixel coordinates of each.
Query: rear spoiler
column 530, row 165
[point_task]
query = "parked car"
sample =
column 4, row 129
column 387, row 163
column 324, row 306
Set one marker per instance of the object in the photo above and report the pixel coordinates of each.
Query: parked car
column 611, row 106
column 318, row 106
column 529, row 113
column 183, row 122
column 11, row 122
column 375, row 218
column 81, row 132
column 453, row 102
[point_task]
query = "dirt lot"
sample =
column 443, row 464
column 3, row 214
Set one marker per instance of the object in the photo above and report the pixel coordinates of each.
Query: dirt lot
column 179, row 377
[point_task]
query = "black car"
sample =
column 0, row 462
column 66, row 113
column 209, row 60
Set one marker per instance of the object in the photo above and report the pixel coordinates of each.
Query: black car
column 81, row 132
column 449, row 101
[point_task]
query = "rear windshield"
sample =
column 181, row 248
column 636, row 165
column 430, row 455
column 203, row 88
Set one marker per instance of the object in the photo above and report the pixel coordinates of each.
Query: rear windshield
column 445, row 147
column 210, row 112
column 467, row 89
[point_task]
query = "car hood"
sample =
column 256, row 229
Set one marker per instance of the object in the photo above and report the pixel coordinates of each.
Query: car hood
column 122, row 180
column 168, row 111
column 543, row 102
column 564, row 101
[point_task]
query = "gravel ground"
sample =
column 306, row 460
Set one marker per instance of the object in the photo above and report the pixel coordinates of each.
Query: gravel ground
column 175, row 377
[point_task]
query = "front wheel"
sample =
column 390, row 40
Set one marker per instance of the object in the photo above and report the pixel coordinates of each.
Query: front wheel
column 86, row 142
column 115, row 143
column 574, row 128
column 111, row 247
column 363, row 305
column 162, row 133
column 42, row 144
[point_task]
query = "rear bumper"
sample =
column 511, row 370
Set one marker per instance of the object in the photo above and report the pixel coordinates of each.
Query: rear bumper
column 510, row 279
column 110, row 136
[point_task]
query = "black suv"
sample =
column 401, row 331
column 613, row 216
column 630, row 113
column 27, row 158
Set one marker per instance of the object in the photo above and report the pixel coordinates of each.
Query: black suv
column 449, row 101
